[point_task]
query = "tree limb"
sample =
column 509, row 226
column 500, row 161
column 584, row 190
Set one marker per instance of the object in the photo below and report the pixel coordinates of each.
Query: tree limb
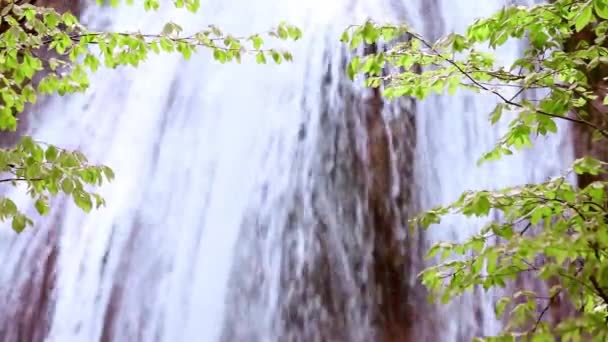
column 502, row 97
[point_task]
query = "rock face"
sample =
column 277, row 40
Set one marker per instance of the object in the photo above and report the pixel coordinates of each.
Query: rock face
column 60, row 5
column 389, row 162
column 27, row 303
column 348, row 217
column 595, row 112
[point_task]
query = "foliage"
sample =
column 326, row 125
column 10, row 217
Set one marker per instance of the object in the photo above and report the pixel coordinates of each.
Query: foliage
column 555, row 230
column 40, row 43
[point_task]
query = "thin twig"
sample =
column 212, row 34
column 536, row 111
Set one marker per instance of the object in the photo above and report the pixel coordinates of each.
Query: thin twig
column 599, row 290
column 525, row 229
column 5, row 180
column 542, row 313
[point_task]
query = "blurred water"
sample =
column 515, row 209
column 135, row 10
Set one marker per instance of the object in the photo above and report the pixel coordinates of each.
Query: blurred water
column 246, row 205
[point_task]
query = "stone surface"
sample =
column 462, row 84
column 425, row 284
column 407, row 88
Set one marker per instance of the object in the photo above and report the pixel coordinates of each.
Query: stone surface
column 350, row 220
column 27, row 304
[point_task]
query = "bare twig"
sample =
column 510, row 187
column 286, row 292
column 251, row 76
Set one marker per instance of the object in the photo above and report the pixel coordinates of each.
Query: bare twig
column 525, row 229
column 545, row 309
column 598, row 289
column 5, row 180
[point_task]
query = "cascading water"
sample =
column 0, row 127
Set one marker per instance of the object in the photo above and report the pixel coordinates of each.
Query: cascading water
column 256, row 203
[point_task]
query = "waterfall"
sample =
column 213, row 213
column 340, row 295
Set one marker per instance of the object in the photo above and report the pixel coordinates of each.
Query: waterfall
column 257, row 202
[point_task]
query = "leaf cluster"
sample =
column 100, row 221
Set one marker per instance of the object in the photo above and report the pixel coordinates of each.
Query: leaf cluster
column 46, row 52
column 554, row 231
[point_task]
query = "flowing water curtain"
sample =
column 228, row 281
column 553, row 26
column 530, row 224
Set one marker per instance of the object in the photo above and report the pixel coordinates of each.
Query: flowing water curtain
column 112, row 265
column 333, row 235
column 196, row 152
column 341, row 265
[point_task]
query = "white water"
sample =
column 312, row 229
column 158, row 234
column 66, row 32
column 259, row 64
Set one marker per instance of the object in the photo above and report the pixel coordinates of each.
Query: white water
column 210, row 167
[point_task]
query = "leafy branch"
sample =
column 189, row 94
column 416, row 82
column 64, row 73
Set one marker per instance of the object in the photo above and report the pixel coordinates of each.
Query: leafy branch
column 45, row 52
column 554, row 230
column 503, row 98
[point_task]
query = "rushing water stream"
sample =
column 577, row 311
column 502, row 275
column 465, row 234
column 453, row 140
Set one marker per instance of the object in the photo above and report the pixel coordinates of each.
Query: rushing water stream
column 257, row 203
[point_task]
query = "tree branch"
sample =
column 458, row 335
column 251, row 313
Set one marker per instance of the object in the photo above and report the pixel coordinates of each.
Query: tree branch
column 503, row 98
column 598, row 289
column 542, row 313
column 5, row 180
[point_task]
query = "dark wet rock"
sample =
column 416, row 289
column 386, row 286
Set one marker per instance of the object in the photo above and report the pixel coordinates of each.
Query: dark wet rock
column 594, row 111
column 355, row 281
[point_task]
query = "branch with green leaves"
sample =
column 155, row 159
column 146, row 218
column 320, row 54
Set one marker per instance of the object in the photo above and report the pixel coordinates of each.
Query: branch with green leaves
column 570, row 244
column 32, row 29
column 554, row 231
column 45, row 52
column 457, row 61
column 46, row 171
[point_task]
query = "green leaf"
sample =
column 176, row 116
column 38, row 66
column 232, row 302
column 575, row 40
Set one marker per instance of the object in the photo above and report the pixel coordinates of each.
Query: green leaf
column 282, row 32
column 481, row 205
column 220, row 56
column 276, row 56
column 82, row 200
column 601, row 8
column 345, row 37
column 42, row 206
column 433, row 251
column 67, row 185
column 353, row 67
column 584, row 18
column 108, row 172
column 260, row 58
column 51, row 153
column 257, row 41
column 294, row 32
column 19, row 222
column 496, row 113
column 587, row 165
